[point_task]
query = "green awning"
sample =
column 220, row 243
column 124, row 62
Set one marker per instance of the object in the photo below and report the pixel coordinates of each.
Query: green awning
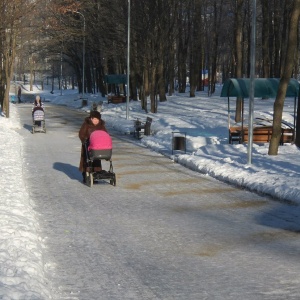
column 115, row 79
column 264, row 88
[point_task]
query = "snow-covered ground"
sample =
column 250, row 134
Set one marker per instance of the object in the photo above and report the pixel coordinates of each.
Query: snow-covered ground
column 21, row 264
column 202, row 120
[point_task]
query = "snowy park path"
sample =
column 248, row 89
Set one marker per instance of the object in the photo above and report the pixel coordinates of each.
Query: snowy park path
column 164, row 232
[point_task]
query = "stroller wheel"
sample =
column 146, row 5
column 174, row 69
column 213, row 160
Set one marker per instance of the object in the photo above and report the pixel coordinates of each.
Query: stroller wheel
column 89, row 179
column 113, row 181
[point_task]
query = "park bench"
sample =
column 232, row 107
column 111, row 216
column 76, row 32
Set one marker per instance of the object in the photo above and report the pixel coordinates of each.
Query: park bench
column 261, row 134
column 287, row 135
column 142, row 127
column 116, row 99
column 235, row 134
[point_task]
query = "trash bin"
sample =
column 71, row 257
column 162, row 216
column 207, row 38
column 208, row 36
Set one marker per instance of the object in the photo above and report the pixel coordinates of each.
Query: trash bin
column 84, row 102
column 179, row 141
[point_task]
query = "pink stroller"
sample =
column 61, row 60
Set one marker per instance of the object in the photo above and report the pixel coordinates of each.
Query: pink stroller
column 99, row 147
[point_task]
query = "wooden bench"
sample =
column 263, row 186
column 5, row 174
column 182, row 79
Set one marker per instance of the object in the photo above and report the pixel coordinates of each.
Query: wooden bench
column 142, row 127
column 287, row 135
column 235, row 134
column 116, row 99
column 260, row 135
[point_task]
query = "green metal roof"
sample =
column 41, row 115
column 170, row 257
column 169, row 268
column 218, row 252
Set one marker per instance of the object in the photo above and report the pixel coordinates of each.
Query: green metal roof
column 116, row 79
column 264, row 87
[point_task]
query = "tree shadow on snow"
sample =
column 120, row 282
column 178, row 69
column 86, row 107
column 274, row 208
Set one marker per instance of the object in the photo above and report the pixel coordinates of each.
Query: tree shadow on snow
column 280, row 230
column 282, row 215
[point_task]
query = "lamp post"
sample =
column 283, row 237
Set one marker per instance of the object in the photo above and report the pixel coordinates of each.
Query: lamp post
column 252, row 82
column 61, row 70
column 128, row 63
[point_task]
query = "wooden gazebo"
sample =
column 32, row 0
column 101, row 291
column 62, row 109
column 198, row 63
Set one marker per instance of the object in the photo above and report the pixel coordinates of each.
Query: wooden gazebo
column 263, row 88
column 115, row 84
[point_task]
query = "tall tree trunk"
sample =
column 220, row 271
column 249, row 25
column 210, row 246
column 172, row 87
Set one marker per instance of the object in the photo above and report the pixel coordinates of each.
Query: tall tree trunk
column 277, row 37
column 195, row 48
column 153, row 92
column 218, row 8
column 239, row 53
column 184, row 30
column 133, row 75
column 145, row 88
column 265, row 38
column 161, row 83
column 8, row 60
column 284, row 37
column 287, row 73
column 171, row 69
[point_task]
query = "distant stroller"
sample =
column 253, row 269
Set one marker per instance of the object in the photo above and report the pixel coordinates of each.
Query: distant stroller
column 99, row 147
column 38, row 120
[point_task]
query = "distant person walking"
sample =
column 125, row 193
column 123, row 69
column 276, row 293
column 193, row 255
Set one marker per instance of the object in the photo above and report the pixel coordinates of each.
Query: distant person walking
column 19, row 94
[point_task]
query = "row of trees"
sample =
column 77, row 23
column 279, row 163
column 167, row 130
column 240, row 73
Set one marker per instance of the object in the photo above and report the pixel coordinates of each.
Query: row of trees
column 170, row 41
column 10, row 26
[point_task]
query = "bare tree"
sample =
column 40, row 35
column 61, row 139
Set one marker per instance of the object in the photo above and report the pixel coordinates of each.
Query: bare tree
column 12, row 21
column 184, row 24
column 196, row 48
column 239, row 52
column 265, row 38
column 287, row 74
column 169, row 39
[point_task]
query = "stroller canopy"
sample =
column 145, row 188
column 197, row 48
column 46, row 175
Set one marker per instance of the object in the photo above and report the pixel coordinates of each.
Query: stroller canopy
column 100, row 140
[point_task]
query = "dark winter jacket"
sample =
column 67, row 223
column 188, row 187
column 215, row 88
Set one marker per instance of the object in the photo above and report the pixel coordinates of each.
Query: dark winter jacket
column 84, row 133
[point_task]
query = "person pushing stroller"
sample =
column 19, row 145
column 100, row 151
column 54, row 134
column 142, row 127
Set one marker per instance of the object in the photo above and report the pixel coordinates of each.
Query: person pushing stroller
column 38, row 104
column 90, row 124
column 38, row 115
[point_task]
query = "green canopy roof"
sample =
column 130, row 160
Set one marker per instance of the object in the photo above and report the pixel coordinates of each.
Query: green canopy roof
column 115, row 79
column 264, row 87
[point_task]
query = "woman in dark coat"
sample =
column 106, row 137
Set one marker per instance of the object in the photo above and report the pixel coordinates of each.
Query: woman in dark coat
column 90, row 124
